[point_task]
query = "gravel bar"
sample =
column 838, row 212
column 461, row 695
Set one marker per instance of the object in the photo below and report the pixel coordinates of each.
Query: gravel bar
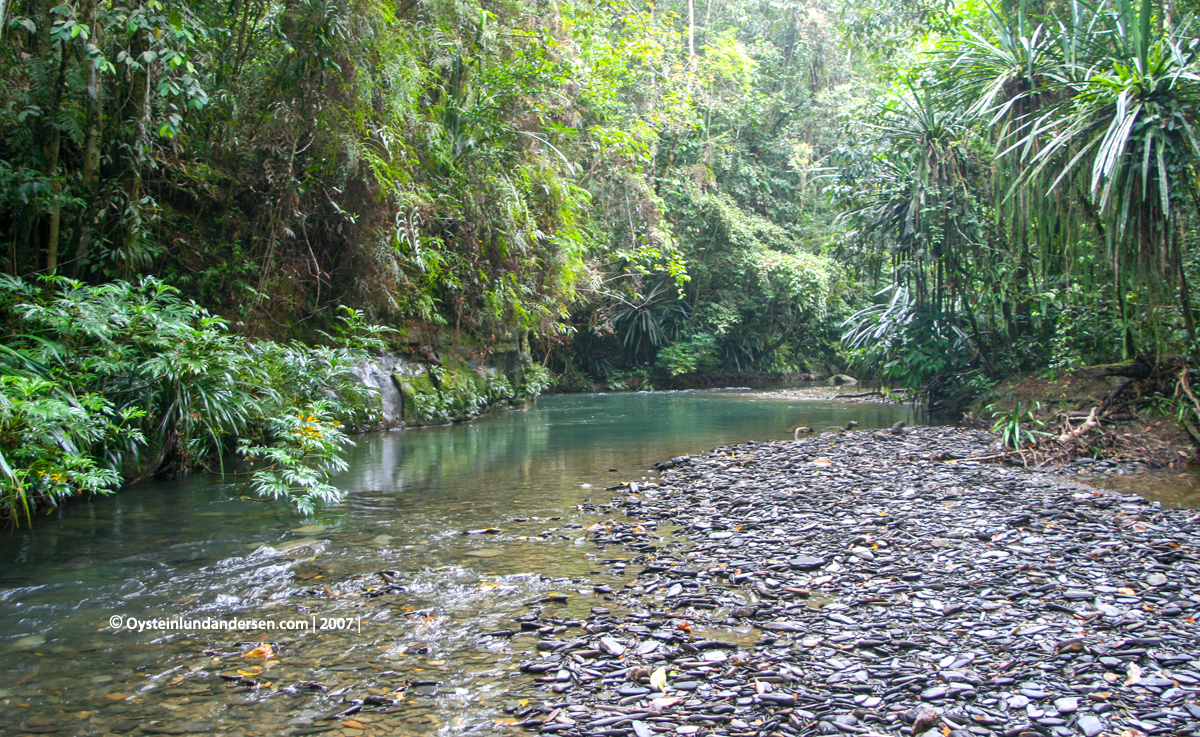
column 876, row 582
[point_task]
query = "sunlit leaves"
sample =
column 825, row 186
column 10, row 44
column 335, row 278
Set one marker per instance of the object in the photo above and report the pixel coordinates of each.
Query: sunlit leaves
column 306, row 452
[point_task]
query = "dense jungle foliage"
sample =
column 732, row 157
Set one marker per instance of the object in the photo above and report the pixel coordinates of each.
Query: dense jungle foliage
column 932, row 194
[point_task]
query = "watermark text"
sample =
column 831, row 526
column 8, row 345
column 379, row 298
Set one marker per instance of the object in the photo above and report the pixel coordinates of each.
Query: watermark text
column 119, row 622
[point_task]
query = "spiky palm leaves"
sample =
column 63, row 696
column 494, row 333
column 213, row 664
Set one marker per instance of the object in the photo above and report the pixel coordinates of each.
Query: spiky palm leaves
column 1091, row 118
column 1094, row 117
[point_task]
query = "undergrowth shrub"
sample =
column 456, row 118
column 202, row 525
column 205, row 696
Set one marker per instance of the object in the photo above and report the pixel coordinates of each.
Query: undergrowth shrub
column 119, row 382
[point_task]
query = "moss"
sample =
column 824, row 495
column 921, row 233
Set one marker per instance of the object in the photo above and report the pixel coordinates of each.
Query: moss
column 420, row 397
column 449, row 393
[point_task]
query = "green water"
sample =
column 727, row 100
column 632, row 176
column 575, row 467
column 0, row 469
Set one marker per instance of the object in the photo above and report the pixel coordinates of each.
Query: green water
column 192, row 548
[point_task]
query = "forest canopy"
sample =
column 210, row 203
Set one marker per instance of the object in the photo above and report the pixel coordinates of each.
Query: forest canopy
column 936, row 195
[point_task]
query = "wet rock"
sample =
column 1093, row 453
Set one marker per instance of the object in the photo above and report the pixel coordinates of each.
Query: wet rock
column 1089, row 725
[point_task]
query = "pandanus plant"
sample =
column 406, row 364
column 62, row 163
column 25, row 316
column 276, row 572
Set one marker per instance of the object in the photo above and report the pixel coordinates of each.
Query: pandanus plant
column 1094, row 116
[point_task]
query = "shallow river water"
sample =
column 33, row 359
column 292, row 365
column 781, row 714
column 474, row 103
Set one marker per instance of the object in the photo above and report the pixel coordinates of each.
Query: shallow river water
column 193, row 549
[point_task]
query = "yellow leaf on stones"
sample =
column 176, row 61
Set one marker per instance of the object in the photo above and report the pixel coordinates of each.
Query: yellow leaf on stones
column 507, row 720
column 665, row 701
column 251, row 671
column 658, row 679
column 1127, row 591
column 262, row 652
column 353, row 724
column 1134, row 673
column 116, row 696
column 822, row 462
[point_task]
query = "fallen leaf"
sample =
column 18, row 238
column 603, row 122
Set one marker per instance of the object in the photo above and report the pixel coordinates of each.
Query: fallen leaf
column 262, row 652
column 658, row 679
column 1134, row 674
column 664, row 701
column 822, row 462
column 353, row 724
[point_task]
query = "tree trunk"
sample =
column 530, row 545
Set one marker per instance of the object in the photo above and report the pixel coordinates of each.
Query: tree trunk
column 1185, row 297
column 139, row 108
column 91, row 146
column 691, row 44
column 53, row 150
column 53, row 138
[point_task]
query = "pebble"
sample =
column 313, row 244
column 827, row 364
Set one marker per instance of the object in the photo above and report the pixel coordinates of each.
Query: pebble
column 867, row 582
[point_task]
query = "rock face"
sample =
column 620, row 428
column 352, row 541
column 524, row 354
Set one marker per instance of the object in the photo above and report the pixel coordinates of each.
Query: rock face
column 413, row 393
column 842, row 380
column 377, row 374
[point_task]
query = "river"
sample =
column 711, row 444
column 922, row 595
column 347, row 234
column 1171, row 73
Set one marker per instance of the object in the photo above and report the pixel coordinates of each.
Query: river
column 193, row 548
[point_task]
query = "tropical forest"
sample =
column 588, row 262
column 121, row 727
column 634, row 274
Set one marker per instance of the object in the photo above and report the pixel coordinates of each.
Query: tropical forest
column 866, row 331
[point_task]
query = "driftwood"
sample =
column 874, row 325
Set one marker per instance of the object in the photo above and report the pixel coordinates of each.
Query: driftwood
column 858, row 396
column 1088, row 424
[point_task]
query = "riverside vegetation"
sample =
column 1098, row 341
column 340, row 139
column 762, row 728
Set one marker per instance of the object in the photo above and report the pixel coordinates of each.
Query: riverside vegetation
column 123, row 382
column 936, row 196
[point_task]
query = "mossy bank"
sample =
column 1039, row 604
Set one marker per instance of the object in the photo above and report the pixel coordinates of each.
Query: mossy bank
column 440, row 389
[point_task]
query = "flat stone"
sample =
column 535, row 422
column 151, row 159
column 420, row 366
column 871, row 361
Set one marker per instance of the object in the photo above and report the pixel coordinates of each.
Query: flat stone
column 1089, row 725
column 806, row 562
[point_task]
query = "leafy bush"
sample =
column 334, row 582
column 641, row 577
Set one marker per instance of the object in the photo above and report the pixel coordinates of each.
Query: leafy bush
column 123, row 381
column 537, row 380
column 1011, row 426
column 697, row 353
column 306, row 452
column 45, row 440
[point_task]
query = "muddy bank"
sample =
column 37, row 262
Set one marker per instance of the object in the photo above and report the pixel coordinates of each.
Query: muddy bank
column 1135, row 419
column 876, row 583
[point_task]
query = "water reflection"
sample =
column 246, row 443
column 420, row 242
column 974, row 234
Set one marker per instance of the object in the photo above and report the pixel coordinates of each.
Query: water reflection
column 192, row 548
column 1172, row 487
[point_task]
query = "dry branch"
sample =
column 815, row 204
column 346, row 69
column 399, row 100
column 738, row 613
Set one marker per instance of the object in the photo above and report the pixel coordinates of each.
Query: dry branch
column 1088, row 424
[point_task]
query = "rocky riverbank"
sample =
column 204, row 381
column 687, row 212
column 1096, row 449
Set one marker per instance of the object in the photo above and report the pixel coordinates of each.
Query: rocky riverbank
column 877, row 583
column 436, row 390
